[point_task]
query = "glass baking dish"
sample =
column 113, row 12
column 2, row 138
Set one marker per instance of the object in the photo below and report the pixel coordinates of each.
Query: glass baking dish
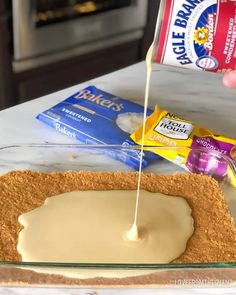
column 64, row 157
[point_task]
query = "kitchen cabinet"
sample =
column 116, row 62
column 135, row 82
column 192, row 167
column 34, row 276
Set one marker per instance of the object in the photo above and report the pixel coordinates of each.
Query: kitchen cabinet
column 21, row 86
column 1, row 7
column 153, row 8
column 53, row 77
column 7, row 93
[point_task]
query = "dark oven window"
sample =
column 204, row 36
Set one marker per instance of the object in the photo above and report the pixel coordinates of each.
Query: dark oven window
column 53, row 11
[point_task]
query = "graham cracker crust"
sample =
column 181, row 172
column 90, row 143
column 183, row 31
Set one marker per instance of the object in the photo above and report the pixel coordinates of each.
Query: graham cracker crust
column 213, row 240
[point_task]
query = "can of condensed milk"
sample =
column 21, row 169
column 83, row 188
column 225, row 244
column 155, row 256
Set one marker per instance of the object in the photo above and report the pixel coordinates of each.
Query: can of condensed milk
column 196, row 34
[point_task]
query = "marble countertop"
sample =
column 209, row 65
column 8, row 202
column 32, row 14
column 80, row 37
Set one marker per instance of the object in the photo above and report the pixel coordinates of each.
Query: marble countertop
column 196, row 96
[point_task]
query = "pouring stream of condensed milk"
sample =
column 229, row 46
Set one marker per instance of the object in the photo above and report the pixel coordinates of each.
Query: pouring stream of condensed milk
column 90, row 227
column 133, row 233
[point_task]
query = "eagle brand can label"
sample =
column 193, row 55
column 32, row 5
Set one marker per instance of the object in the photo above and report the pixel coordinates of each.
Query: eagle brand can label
column 197, row 34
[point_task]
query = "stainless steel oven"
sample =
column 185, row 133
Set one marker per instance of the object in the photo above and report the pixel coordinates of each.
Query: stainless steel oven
column 47, row 30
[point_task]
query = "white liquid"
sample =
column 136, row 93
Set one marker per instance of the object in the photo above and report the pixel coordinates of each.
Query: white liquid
column 134, row 232
column 129, row 122
column 91, row 227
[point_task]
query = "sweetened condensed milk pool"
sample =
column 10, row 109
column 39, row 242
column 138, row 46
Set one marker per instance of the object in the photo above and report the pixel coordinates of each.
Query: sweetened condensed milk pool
column 91, row 227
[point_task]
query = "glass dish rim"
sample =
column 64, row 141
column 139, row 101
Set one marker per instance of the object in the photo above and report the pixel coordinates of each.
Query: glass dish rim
column 215, row 153
column 119, row 266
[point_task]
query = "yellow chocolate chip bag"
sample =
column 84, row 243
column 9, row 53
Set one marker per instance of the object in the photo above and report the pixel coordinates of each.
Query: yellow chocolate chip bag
column 191, row 146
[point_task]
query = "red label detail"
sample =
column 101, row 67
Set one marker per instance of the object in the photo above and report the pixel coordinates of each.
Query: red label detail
column 164, row 31
column 224, row 45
